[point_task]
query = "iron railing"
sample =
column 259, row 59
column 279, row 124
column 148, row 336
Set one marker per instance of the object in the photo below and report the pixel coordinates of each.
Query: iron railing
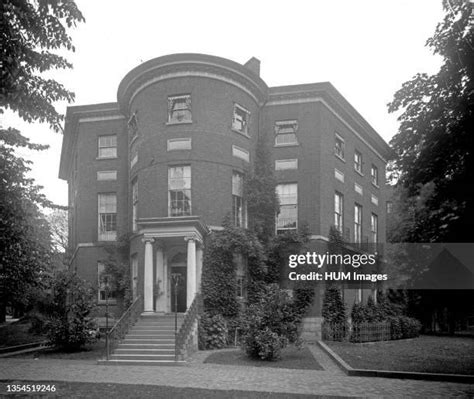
column 121, row 328
column 190, row 317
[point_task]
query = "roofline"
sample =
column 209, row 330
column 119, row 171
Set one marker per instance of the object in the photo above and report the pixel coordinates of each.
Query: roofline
column 74, row 114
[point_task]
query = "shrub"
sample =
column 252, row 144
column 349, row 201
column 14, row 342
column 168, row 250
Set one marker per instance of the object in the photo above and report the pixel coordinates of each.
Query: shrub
column 410, row 327
column 70, row 326
column 212, row 332
column 269, row 324
column 334, row 310
column 395, row 327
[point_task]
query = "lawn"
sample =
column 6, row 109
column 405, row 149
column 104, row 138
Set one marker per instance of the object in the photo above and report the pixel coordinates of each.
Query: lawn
column 17, row 334
column 292, row 358
column 90, row 352
column 429, row 354
column 119, row 391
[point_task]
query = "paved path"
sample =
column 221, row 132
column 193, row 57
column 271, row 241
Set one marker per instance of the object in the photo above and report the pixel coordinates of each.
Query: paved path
column 196, row 374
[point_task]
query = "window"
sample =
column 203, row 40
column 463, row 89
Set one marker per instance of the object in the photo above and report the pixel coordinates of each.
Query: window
column 107, row 217
column 240, row 287
column 179, row 109
column 240, row 121
column 285, row 133
column 104, row 175
column 285, row 164
column 358, row 189
column 179, row 144
column 288, row 216
column 106, row 285
column 357, row 223
column 339, row 146
column 374, row 221
column 238, row 206
column 108, row 146
column 241, row 153
column 179, row 190
column 134, row 204
column 358, row 161
column 374, row 175
column 133, row 125
column 389, row 206
column 338, row 210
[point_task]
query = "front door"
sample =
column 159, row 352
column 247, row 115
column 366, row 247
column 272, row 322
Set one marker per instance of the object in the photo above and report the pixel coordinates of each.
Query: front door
column 178, row 291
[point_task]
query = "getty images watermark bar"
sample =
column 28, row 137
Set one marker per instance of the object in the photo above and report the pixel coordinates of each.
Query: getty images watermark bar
column 426, row 266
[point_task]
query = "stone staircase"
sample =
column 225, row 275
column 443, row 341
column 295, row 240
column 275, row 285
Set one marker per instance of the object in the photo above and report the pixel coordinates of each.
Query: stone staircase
column 151, row 341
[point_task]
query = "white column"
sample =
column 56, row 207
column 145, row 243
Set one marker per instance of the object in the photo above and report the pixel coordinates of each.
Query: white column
column 199, row 253
column 160, row 281
column 148, row 275
column 191, row 271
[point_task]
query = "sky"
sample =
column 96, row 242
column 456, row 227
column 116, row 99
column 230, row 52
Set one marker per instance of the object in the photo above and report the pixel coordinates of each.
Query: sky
column 365, row 48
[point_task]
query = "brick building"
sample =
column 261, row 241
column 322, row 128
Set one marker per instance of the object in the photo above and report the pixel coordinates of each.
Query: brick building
column 163, row 165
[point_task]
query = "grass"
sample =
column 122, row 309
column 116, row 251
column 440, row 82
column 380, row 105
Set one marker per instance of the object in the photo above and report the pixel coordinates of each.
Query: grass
column 292, row 358
column 90, row 352
column 119, row 391
column 17, row 333
column 429, row 354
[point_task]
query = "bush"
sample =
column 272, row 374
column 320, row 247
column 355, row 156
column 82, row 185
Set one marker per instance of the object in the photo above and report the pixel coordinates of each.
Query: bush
column 334, row 310
column 395, row 327
column 212, row 332
column 269, row 324
column 410, row 327
column 69, row 326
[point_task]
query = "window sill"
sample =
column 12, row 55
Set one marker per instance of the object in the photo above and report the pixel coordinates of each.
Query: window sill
column 359, row 172
column 375, row 185
column 340, row 158
column 104, row 158
column 170, row 123
column 287, row 145
column 241, row 133
column 103, row 302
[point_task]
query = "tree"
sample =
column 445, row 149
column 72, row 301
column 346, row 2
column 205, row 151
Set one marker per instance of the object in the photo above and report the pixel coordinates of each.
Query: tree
column 24, row 232
column 30, row 34
column 435, row 142
column 31, row 31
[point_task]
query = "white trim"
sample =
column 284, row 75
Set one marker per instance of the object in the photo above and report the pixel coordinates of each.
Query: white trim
column 105, row 173
column 319, row 99
column 240, row 153
column 286, row 164
column 188, row 74
column 339, row 175
column 186, row 141
column 101, row 118
column 374, row 200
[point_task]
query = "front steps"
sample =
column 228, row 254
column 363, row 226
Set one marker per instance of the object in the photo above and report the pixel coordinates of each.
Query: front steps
column 151, row 341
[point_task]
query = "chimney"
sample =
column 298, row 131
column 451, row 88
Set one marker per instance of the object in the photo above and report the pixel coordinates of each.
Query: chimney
column 254, row 65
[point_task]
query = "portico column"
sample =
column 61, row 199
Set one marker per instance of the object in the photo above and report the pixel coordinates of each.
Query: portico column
column 199, row 253
column 160, row 280
column 148, row 275
column 191, row 271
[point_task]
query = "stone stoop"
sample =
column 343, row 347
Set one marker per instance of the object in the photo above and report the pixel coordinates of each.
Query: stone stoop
column 151, row 341
column 311, row 329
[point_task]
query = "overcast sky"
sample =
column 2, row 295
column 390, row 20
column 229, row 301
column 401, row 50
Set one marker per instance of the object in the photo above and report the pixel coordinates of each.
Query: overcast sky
column 365, row 48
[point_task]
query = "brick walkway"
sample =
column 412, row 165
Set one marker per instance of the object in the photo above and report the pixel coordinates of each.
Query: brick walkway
column 196, row 374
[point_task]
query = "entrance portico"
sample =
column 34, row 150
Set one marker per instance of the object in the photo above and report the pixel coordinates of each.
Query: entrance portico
column 171, row 246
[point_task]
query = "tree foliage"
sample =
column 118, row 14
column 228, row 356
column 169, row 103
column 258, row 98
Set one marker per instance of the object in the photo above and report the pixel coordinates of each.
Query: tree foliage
column 71, row 326
column 262, row 201
column 24, row 232
column 31, row 33
column 434, row 143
